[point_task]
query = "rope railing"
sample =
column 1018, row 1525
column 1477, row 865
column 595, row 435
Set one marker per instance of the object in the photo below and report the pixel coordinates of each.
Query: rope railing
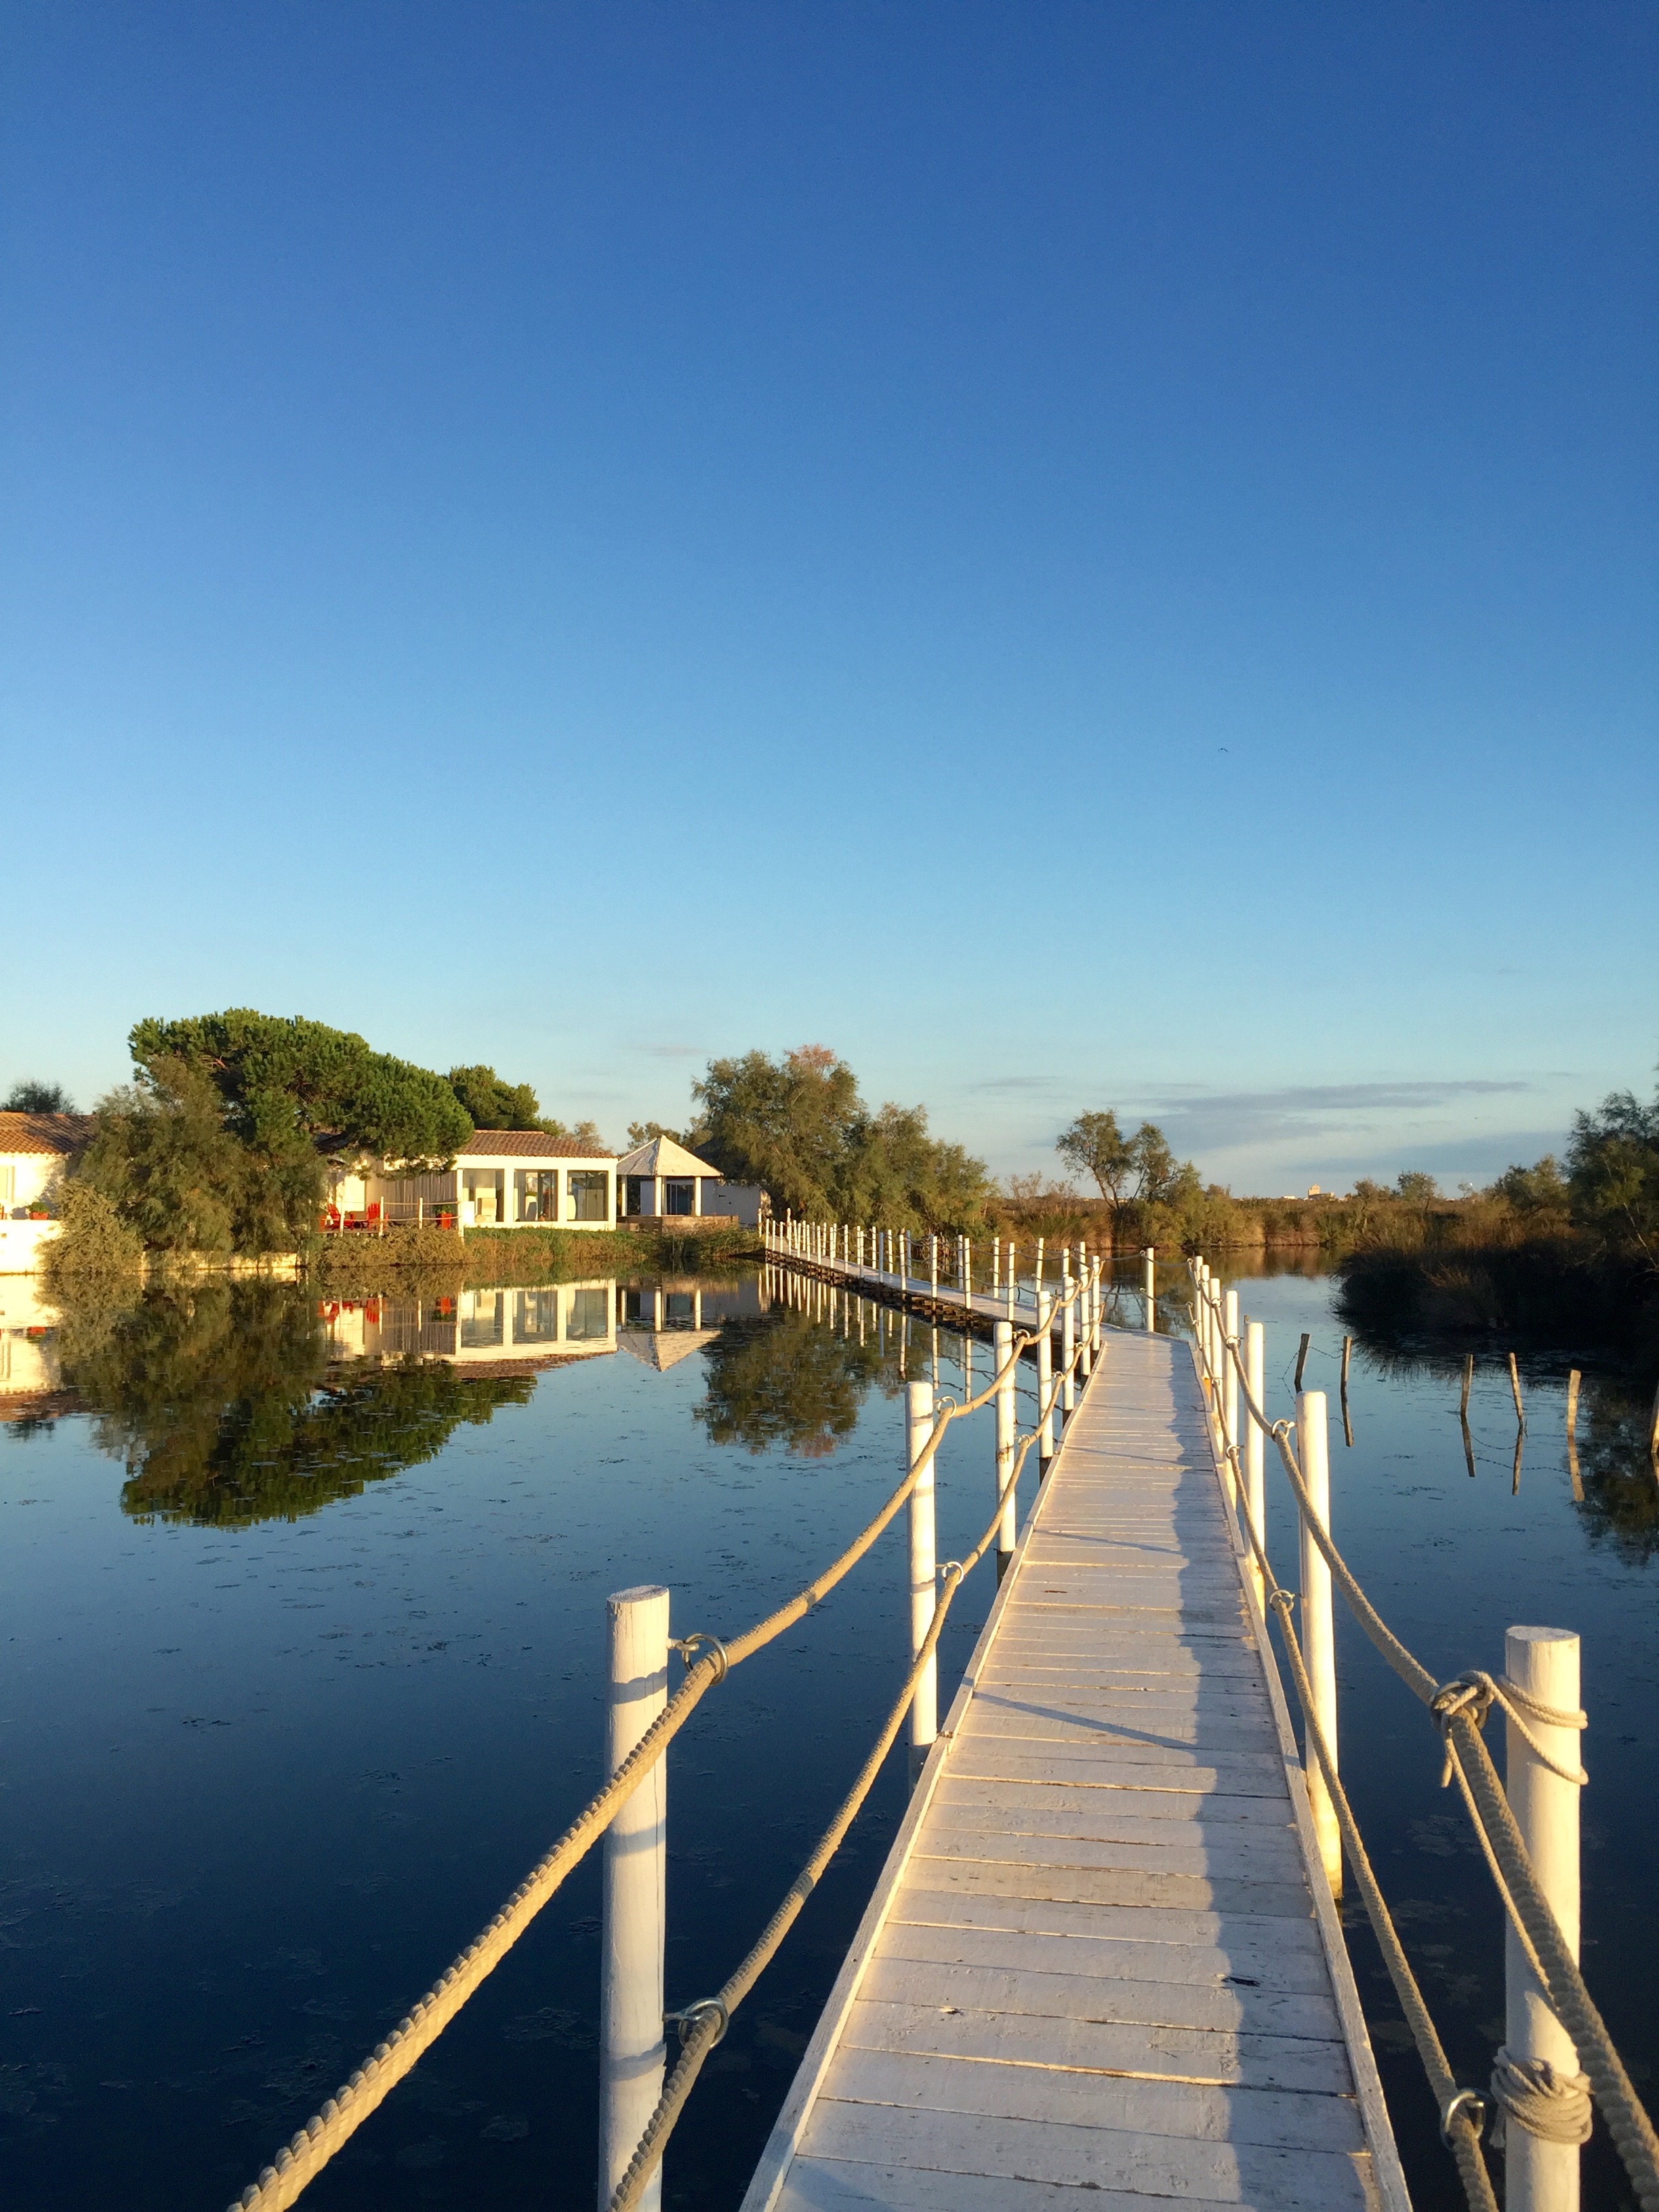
column 1458, row 1709
column 309, row 2151
column 703, row 2023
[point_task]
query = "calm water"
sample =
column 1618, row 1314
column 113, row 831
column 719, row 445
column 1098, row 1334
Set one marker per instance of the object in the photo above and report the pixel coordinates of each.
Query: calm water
column 303, row 1657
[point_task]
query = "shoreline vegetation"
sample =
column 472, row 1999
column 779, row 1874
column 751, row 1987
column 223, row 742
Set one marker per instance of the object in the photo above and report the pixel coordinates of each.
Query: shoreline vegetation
column 214, row 1160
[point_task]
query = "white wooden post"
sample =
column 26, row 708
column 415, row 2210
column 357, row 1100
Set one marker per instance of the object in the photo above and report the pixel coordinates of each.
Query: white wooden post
column 1255, row 1486
column 1097, row 1336
column 967, row 1272
column 1038, row 1275
column 1318, row 1628
column 1149, row 1284
column 1230, row 1384
column 932, row 1268
column 996, row 1265
column 633, row 1889
column 1067, row 1337
column 1088, row 1273
column 1045, row 1366
column 1539, row 2176
column 1013, row 1291
column 1002, row 1337
column 918, row 1429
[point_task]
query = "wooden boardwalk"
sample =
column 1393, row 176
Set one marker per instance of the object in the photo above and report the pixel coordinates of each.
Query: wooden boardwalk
column 1096, row 1961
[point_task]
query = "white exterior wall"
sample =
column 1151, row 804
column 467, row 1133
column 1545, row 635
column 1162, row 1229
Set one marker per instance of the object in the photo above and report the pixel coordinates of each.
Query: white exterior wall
column 28, row 1175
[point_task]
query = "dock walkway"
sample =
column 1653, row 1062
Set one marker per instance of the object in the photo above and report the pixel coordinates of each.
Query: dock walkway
column 1095, row 1961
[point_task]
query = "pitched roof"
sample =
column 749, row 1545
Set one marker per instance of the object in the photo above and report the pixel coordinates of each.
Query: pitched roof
column 663, row 1156
column 528, row 1144
column 58, row 1134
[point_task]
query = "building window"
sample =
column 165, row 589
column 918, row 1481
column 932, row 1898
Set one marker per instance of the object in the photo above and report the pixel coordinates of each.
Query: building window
column 482, row 1326
column 536, row 1317
column 588, row 1321
column 587, row 1194
column 484, row 1187
column 538, row 1193
column 677, row 1197
column 632, row 1193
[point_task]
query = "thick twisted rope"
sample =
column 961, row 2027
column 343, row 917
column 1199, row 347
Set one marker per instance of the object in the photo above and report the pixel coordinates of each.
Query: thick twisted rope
column 707, row 2022
column 1548, row 2103
column 1459, row 1707
column 311, row 2147
column 1462, row 2110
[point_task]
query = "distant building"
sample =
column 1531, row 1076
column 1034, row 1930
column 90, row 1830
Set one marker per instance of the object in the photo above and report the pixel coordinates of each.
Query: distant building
column 661, row 1182
column 35, row 1152
column 502, row 1179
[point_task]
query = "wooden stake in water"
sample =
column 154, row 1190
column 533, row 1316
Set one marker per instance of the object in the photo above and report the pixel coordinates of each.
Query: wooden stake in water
column 1318, row 1626
column 1301, row 1360
column 1573, row 1380
column 1541, row 2177
column 634, row 1890
column 1348, row 1426
column 1515, row 1388
column 1468, row 1378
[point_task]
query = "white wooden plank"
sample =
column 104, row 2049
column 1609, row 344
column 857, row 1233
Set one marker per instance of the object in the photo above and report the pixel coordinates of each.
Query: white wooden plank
column 1254, row 1946
column 1194, row 2111
column 1217, row 2060
column 1098, row 1886
column 1109, row 1996
column 1091, row 2158
column 1228, row 1851
column 959, row 1795
column 818, row 2184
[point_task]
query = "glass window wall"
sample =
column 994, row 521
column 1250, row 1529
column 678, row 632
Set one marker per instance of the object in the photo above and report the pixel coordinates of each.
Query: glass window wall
column 587, row 1194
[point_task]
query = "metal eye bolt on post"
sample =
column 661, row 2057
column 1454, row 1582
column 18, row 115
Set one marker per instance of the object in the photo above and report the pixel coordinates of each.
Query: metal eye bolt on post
column 634, row 1892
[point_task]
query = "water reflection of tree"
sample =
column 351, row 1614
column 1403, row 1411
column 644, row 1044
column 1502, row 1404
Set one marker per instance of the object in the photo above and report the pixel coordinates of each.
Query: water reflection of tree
column 789, row 1380
column 1621, row 1486
column 222, row 1404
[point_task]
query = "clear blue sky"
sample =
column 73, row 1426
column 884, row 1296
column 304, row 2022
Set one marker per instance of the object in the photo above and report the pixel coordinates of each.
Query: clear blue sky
column 1080, row 554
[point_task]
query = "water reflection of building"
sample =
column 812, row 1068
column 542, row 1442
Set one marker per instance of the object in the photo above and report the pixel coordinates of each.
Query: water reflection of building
column 664, row 1323
column 28, row 1340
column 503, row 1329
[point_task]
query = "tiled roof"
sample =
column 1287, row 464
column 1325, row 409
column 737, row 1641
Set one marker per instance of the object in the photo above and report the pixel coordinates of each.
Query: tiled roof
column 528, row 1144
column 52, row 1133
column 661, row 1156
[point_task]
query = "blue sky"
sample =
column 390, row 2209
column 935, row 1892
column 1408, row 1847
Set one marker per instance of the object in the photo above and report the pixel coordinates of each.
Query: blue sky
column 1082, row 554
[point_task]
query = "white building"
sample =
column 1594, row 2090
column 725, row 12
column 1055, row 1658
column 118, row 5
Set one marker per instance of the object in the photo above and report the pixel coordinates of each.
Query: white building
column 35, row 1149
column 502, row 1179
column 660, row 1181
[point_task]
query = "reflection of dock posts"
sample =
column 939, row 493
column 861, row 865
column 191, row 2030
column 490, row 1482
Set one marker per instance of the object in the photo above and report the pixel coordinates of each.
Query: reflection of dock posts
column 1256, row 1483
column 1003, row 1340
column 1149, row 1284
column 1067, row 1337
column 631, row 2051
column 924, row 1707
column 1045, row 1365
column 1318, row 1628
column 1543, row 1664
column 1573, row 1379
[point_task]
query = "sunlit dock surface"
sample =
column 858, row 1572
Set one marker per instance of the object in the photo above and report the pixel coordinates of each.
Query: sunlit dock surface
column 1095, row 1959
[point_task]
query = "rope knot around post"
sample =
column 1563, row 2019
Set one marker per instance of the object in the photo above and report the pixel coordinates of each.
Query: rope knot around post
column 687, row 2021
column 1473, row 1694
column 1545, row 2099
column 1467, row 1697
column 689, row 1646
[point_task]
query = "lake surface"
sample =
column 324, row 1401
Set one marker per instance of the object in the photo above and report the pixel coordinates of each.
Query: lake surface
column 303, row 1666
